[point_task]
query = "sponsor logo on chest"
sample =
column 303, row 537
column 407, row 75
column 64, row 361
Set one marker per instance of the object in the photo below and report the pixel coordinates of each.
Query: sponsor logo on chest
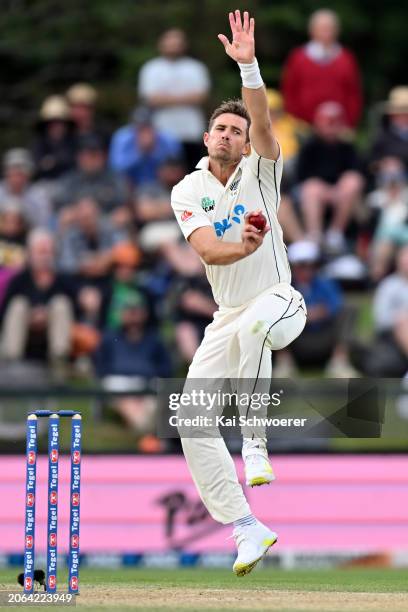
column 236, row 217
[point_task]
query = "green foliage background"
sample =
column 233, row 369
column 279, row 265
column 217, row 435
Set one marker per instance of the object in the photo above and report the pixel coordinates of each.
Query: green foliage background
column 48, row 44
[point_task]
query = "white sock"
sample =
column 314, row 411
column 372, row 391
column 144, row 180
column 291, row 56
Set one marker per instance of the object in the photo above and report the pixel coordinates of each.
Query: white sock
column 246, row 521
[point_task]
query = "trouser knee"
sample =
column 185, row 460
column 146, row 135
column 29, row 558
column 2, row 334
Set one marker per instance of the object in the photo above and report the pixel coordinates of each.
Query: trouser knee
column 275, row 335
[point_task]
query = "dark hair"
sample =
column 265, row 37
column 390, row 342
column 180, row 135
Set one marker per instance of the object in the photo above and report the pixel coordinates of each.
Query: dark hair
column 235, row 107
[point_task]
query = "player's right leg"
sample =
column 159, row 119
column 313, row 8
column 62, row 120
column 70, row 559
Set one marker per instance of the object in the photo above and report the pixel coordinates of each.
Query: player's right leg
column 272, row 322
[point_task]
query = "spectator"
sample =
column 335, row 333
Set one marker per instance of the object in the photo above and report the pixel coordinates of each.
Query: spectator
column 33, row 200
column 125, row 261
column 289, row 131
column 328, row 173
column 389, row 202
column 323, row 342
column 152, row 200
column 55, row 146
column 38, row 310
column 194, row 310
column 167, row 258
column 85, row 247
column 176, row 87
column 127, row 359
column 93, row 179
column 392, row 141
column 82, row 99
column 388, row 355
column 153, row 213
column 13, row 232
column 13, row 235
column 322, row 70
column 138, row 150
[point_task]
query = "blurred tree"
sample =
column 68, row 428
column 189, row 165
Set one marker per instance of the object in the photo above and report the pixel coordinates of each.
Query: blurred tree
column 48, row 44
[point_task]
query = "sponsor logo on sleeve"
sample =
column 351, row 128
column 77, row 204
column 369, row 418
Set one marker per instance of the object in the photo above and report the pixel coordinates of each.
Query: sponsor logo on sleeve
column 186, row 215
column 207, row 204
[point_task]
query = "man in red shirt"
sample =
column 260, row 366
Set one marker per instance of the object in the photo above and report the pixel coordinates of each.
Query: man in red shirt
column 322, row 70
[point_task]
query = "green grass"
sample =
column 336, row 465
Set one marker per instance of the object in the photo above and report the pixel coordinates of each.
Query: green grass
column 381, row 580
column 121, row 588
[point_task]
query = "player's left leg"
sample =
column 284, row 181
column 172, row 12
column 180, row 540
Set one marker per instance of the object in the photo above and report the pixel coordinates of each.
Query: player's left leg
column 271, row 323
column 210, row 463
column 206, row 453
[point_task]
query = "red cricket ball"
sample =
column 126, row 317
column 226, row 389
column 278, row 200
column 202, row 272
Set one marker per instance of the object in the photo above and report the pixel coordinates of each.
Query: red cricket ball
column 258, row 220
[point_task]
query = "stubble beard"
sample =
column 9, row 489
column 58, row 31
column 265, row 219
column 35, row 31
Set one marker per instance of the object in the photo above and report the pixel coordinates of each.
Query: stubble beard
column 224, row 157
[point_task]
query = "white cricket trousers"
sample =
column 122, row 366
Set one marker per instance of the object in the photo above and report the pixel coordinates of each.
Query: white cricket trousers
column 237, row 345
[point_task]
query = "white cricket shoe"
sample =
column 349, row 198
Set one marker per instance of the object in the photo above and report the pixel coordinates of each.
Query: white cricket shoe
column 253, row 542
column 258, row 470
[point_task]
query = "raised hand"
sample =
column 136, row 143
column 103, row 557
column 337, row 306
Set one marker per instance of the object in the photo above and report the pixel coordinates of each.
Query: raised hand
column 242, row 47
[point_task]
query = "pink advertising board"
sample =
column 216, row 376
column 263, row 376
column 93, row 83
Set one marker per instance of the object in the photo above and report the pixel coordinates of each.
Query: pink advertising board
column 135, row 504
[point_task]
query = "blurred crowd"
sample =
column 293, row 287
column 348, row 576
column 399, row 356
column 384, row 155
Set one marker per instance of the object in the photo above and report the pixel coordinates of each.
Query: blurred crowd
column 95, row 279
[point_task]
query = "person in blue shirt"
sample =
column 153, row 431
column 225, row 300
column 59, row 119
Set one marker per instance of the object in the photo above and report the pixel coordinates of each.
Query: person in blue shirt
column 323, row 341
column 137, row 150
column 129, row 358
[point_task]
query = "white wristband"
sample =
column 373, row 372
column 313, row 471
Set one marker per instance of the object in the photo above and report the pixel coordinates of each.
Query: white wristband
column 251, row 75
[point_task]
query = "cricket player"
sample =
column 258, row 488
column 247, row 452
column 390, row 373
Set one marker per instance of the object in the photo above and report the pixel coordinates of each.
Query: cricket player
column 250, row 277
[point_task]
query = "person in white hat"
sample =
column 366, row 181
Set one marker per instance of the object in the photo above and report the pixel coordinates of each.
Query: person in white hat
column 392, row 140
column 54, row 147
column 82, row 100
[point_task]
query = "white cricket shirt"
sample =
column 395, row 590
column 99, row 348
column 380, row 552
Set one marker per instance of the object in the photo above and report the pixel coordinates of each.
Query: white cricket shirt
column 201, row 200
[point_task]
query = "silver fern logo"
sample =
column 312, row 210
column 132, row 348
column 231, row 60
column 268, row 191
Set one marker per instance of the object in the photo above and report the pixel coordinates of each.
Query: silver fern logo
column 234, row 184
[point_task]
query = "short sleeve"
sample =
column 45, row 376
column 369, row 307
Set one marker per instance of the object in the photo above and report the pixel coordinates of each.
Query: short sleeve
column 268, row 171
column 189, row 214
column 149, row 79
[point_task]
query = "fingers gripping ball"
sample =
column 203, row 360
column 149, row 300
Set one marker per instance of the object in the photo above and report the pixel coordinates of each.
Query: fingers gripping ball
column 258, row 220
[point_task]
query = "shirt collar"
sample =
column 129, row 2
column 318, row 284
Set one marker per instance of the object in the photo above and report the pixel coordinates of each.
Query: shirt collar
column 318, row 53
column 204, row 162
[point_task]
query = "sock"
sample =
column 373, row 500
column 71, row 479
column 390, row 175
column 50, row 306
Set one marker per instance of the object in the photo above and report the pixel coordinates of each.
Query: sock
column 244, row 522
